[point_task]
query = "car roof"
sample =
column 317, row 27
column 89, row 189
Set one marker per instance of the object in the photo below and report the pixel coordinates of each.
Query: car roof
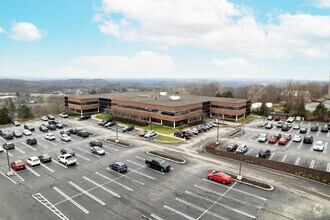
column 33, row 158
column 319, row 142
column 18, row 161
column 66, row 155
column 119, row 163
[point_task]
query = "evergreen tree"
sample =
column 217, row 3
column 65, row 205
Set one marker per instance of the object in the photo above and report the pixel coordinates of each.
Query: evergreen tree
column 12, row 108
column 228, row 94
column 25, row 112
column 263, row 109
column 4, row 116
column 320, row 111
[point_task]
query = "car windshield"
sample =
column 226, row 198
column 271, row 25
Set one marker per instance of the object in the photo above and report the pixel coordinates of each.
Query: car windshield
column 241, row 147
column 64, row 135
column 98, row 148
column 68, row 157
column 161, row 162
column 318, row 144
column 45, row 156
column 19, row 162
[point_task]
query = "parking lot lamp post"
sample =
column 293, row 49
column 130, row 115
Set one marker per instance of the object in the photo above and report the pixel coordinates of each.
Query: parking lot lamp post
column 239, row 177
column 116, row 133
column 217, row 142
column 10, row 172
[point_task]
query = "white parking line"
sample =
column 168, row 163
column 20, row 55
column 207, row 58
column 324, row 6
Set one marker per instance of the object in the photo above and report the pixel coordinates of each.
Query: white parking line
column 237, row 190
column 55, row 161
column 86, row 151
column 50, row 142
column 32, row 171
column 252, row 137
column 312, row 164
column 318, row 133
column 122, row 185
column 40, row 198
column 150, row 177
column 272, row 155
column 325, row 147
column 299, row 146
column 179, row 213
column 102, row 187
column 142, row 165
column 288, row 145
column 311, row 148
column 328, row 167
column 141, row 158
column 32, row 148
column 156, row 217
column 82, row 157
column 249, row 151
column 14, row 178
column 284, row 157
column 328, row 134
column 87, row 193
column 136, row 181
column 297, row 161
column 244, row 136
column 71, row 200
column 8, row 153
column 19, row 150
column 298, row 132
column 43, row 165
column 42, row 145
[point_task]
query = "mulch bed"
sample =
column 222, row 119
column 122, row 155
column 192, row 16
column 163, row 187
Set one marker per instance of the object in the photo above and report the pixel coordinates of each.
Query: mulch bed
column 253, row 182
column 166, row 156
column 119, row 143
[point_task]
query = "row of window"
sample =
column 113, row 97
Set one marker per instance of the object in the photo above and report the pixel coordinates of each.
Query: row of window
column 85, row 103
column 228, row 107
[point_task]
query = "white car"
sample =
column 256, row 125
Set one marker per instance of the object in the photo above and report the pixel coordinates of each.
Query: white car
column 319, row 145
column 44, row 118
column 65, row 137
column 33, row 161
column 263, row 138
column 296, row 138
column 194, row 130
column 298, row 118
column 67, row 159
column 64, row 115
column 1, row 149
column 27, row 132
column 150, row 134
column 290, row 120
column 50, row 137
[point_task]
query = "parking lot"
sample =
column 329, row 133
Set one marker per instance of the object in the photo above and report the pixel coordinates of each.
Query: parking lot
column 90, row 190
column 297, row 153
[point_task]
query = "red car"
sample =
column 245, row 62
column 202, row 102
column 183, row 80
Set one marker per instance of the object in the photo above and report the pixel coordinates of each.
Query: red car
column 219, row 177
column 288, row 137
column 273, row 140
column 232, row 147
column 283, row 141
column 18, row 165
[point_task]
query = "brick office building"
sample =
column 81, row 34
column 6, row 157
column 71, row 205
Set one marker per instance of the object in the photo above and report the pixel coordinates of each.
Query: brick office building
column 173, row 111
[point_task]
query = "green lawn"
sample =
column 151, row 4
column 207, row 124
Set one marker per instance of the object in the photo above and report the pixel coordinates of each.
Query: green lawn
column 168, row 139
column 247, row 119
column 103, row 116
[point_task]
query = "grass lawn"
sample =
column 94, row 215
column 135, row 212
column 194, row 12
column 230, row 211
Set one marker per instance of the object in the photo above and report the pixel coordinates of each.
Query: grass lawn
column 247, row 119
column 168, row 139
column 103, row 116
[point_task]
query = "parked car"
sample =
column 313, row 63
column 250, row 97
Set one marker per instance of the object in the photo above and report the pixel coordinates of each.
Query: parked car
column 59, row 125
column 52, row 122
column 210, row 124
column 205, row 127
column 67, row 159
column 278, row 135
column 296, row 127
column 270, row 118
column 325, row 129
column 286, row 127
column 298, row 118
column 45, row 158
column 31, row 141
column 232, row 147
column 51, row 127
column 142, row 133
column 3, row 131
column 118, row 166
column 290, row 120
column 43, row 128
column 65, row 137
column 277, row 119
column 308, row 139
column 263, row 138
column 279, row 124
column 273, row 139
column 27, row 132
column 110, row 124
column 83, row 134
column 50, row 117
column 158, row 164
column 319, row 146
column 241, row 149
column 44, row 118
column 94, row 143
column 50, row 137
column 33, row 161
column 288, row 137
column 17, row 134
column 18, row 165
column 73, row 131
column 8, row 136
column 67, row 151
column 1, row 149
column 282, row 141
column 199, row 129
column 128, row 128
column 16, row 123
column 269, row 126
column 64, row 115
column 67, row 132
column 84, row 117
column 150, row 133
column 297, row 138
column 8, row 145
column 219, row 176
column 264, row 153
column 303, row 130
column 329, row 126
column 314, row 128
column 183, row 134
column 97, row 150
column 103, row 122
column 29, row 127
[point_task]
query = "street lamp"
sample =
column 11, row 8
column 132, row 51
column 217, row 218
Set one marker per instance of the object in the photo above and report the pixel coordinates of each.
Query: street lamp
column 116, row 133
column 217, row 142
column 239, row 177
column 9, row 172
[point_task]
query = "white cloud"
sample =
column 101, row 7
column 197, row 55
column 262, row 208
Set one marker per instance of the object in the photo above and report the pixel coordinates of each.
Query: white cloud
column 2, row 30
column 236, row 66
column 322, row 3
column 219, row 25
column 25, row 31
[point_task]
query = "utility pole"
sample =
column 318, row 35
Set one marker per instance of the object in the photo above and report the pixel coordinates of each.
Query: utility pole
column 239, row 177
column 217, row 142
column 116, row 133
column 10, row 172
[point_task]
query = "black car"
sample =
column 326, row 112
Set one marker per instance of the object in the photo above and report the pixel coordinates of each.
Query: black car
column 59, row 125
column 314, row 128
column 83, row 134
column 128, row 128
column 45, row 158
column 95, row 143
column 329, row 126
column 50, row 117
column 73, row 131
column 52, row 122
column 8, row 136
column 8, row 145
column 104, row 122
column 278, row 136
column 158, row 164
column 31, row 141
column 182, row 134
column 84, row 117
column 29, row 127
column 16, row 123
column 110, row 124
column 325, row 129
column 119, row 166
column 65, row 132
column 264, row 153
column 285, row 128
column 67, row 151
column 303, row 130
column 43, row 128
column 51, row 127
column 17, row 134
column 308, row 140
column 277, row 119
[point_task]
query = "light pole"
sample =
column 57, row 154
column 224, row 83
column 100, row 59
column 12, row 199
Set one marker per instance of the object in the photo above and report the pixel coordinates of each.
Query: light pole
column 9, row 173
column 239, row 177
column 116, row 133
column 217, row 142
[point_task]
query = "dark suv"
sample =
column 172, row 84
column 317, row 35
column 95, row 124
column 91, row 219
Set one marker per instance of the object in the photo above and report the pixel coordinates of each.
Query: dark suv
column 8, row 145
column 128, row 128
column 95, row 143
column 84, row 117
column 31, row 141
column 83, row 134
column 314, row 128
column 43, row 128
column 308, row 140
column 8, row 136
column 29, row 127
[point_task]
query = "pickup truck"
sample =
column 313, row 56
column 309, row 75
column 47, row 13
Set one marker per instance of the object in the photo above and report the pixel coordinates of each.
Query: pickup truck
column 158, row 164
column 67, row 159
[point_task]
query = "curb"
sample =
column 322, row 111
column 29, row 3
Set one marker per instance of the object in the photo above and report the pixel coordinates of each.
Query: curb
column 184, row 161
column 119, row 144
column 249, row 184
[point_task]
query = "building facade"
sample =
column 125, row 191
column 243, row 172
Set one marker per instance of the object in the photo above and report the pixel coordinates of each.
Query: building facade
column 166, row 110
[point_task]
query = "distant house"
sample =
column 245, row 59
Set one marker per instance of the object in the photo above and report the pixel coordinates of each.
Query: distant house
column 297, row 93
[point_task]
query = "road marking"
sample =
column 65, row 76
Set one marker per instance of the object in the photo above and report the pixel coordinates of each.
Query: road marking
column 87, row 193
column 179, row 213
column 122, row 185
column 45, row 166
column 309, row 123
column 237, row 190
column 102, row 187
column 311, row 147
column 325, row 147
column 219, row 204
column 318, row 133
column 50, row 142
column 215, row 202
column 8, row 152
column 134, row 171
column 252, row 137
column 32, row 171
column 328, row 167
column 297, row 161
column 60, row 164
column 244, row 136
column 40, row 198
column 14, row 178
column 71, row 200
column 141, row 158
column 142, row 165
column 298, row 132
column 19, row 150
column 123, row 175
column 249, row 151
column 328, row 134
column 271, row 156
column 284, row 157
column 312, row 164
column 156, row 217
column 89, row 152
column 32, row 148
column 111, row 148
column 299, row 146
column 288, row 145
column 42, row 145
column 82, row 157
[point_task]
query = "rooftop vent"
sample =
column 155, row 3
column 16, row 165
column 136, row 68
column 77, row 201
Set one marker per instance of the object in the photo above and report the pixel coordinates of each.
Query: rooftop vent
column 175, row 98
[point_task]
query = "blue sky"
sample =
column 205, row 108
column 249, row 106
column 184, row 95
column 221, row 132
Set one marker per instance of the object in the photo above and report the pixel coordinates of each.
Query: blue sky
column 165, row 39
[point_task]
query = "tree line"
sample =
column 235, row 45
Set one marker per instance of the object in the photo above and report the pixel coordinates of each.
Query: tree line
column 7, row 114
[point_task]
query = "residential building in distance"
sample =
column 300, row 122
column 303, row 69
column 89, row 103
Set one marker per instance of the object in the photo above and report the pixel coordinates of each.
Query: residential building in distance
column 173, row 111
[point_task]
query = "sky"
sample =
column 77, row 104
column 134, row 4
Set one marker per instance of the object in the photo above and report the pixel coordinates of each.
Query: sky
column 177, row 39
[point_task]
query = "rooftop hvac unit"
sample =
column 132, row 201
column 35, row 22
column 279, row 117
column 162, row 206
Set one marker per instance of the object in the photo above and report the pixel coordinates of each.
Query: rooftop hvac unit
column 175, row 98
column 163, row 93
